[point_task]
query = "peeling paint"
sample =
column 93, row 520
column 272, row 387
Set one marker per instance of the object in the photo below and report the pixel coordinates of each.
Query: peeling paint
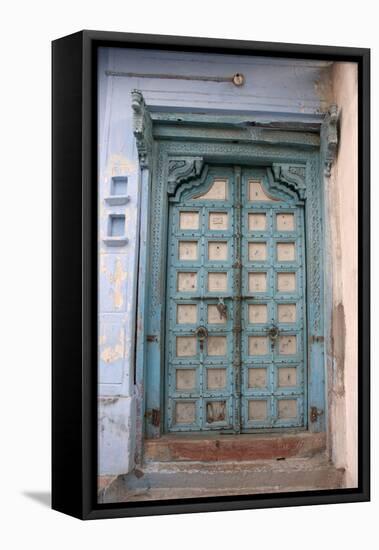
column 117, row 279
column 108, row 401
column 119, row 164
column 102, row 339
column 109, row 355
column 115, row 352
column 323, row 88
column 338, row 348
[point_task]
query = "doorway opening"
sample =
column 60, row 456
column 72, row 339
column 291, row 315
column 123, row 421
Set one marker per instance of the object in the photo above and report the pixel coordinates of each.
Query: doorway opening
column 235, row 309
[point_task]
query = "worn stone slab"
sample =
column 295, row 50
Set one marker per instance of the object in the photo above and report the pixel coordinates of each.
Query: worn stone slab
column 230, row 447
column 169, row 480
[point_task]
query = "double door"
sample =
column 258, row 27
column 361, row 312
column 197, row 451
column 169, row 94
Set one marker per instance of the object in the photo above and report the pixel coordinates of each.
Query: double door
column 235, row 311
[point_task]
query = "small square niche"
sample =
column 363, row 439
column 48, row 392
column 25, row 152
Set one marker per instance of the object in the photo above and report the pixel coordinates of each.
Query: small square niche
column 118, row 185
column 118, row 190
column 116, row 231
column 116, row 226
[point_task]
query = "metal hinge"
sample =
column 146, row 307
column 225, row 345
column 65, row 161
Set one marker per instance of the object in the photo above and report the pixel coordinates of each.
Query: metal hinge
column 155, row 416
column 315, row 413
column 316, row 339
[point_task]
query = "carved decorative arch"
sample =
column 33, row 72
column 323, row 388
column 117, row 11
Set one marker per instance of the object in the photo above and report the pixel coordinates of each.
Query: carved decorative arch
column 185, row 173
column 289, row 179
column 183, row 170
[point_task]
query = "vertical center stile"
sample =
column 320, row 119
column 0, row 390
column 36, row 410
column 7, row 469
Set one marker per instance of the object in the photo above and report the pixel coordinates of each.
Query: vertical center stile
column 237, row 281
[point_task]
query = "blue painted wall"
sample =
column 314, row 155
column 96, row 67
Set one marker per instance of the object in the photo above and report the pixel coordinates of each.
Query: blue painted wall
column 273, row 88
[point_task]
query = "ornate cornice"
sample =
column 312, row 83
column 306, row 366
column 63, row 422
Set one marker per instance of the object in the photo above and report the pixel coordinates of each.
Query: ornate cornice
column 329, row 138
column 292, row 177
column 182, row 170
column 142, row 128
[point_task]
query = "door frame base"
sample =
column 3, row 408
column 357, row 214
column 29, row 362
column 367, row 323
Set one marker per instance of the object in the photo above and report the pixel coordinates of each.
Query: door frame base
column 208, row 447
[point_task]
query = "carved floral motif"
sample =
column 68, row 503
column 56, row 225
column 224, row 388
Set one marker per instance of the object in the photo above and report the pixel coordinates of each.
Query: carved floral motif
column 181, row 170
column 329, row 141
column 142, row 128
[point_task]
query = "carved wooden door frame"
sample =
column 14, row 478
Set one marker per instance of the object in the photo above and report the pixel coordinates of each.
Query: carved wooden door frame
column 173, row 149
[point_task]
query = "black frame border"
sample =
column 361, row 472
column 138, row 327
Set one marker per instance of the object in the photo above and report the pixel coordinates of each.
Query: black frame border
column 74, row 273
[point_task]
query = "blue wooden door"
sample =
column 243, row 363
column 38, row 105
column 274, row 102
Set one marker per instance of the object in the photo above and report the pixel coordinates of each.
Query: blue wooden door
column 235, row 305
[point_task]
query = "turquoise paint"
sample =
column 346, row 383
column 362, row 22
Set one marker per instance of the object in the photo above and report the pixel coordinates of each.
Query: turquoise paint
column 201, row 297
column 304, row 156
column 236, row 394
column 274, row 361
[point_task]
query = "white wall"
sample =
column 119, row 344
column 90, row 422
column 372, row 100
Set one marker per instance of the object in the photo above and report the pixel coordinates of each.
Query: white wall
column 341, row 197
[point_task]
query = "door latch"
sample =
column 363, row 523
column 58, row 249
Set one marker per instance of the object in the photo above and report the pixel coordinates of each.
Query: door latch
column 202, row 333
column 314, row 414
column 222, row 309
column 154, row 415
column 273, row 333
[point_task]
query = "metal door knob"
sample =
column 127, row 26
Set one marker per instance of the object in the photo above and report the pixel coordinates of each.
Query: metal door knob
column 201, row 333
column 273, row 333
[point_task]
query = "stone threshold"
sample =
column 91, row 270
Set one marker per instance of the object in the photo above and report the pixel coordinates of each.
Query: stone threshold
column 245, row 447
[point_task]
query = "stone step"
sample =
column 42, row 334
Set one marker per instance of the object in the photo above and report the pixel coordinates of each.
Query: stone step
column 218, row 447
column 168, row 480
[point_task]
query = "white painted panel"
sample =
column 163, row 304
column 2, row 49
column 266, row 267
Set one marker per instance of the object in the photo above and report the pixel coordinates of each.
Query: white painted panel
column 214, row 316
column 287, row 313
column 258, row 313
column 257, row 222
column 287, row 345
column 257, row 252
column 216, row 345
column 217, row 281
column 258, row 345
column 186, row 314
column 287, row 376
column 185, row 412
column 185, row 379
column 185, row 346
column 188, row 250
column 216, row 379
column 286, row 252
column 257, row 193
column 285, row 222
column 187, row 281
column 217, row 191
column 286, row 282
column 257, row 282
column 257, row 409
column 257, row 378
column 218, row 220
column 287, row 408
column 218, row 250
column 189, row 220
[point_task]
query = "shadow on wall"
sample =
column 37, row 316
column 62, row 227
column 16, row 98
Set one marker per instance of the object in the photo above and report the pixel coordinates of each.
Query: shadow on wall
column 41, row 497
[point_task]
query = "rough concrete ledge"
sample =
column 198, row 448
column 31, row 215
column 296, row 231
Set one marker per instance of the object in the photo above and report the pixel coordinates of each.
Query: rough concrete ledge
column 170, row 480
column 103, row 484
column 233, row 447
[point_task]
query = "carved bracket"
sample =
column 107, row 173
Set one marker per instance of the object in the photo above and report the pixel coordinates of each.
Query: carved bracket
column 289, row 178
column 329, row 138
column 182, row 170
column 142, row 128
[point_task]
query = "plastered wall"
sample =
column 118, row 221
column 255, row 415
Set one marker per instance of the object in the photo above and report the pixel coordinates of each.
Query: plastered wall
column 341, row 195
column 273, row 88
